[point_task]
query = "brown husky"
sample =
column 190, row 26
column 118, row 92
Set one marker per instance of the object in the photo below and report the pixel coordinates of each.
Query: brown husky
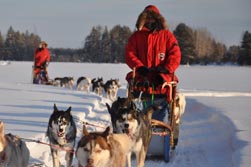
column 101, row 149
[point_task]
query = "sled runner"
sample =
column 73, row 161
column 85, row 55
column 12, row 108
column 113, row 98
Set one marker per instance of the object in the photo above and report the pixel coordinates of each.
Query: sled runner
column 36, row 165
column 163, row 140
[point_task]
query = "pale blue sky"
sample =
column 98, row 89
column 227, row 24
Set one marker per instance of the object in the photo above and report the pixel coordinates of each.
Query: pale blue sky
column 66, row 23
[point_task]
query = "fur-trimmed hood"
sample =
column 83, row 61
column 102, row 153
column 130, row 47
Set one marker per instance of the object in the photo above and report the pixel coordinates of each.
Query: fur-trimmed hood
column 152, row 12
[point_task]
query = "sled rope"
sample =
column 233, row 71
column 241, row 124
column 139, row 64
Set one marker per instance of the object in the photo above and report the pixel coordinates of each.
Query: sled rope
column 51, row 145
column 86, row 123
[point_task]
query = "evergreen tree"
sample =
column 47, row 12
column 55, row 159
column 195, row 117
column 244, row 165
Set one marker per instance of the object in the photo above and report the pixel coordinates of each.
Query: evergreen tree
column 245, row 51
column 10, row 44
column 231, row 54
column 119, row 37
column 19, row 43
column 31, row 43
column 185, row 37
column 92, row 48
column 106, row 46
column 20, row 46
column 1, row 47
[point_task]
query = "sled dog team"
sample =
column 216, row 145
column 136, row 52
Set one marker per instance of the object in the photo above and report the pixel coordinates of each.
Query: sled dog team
column 131, row 135
column 86, row 84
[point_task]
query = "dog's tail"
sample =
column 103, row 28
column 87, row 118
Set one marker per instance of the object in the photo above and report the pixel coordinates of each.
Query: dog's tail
column 108, row 107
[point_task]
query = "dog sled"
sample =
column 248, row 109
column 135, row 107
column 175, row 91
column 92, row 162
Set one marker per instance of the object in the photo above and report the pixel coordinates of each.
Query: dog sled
column 40, row 76
column 164, row 128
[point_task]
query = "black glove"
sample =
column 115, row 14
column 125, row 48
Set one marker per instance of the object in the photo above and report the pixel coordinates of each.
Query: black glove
column 143, row 70
column 161, row 69
column 45, row 64
column 158, row 80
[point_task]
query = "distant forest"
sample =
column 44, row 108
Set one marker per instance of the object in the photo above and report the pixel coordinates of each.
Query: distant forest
column 108, row 46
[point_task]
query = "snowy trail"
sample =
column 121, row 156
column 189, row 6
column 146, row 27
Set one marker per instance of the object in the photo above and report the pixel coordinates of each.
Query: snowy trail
column 202, row 129
column 204, row 138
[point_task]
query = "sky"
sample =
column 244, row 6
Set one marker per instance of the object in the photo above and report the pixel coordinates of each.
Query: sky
column 215, row 130
column 64, row 23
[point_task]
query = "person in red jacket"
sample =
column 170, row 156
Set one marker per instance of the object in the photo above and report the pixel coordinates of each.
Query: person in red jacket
column 41, row 62
column 153, row 46
column 153, row 51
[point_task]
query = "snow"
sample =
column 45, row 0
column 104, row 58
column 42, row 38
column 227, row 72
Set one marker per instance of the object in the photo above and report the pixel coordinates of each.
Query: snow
column 215, row 129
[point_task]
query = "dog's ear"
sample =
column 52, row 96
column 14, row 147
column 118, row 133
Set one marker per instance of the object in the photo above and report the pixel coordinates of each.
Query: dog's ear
column 55, row 108
column 132, row 106
column 106, row 132
column 119, row 99
column 1, row 128
column 93, row 80
column 85, row 132
column 69, row 110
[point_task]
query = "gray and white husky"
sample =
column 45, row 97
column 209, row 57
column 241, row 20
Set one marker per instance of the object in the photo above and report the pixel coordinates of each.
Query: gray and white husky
column 62, row 134
column 13, row 151
column 111, row 88
column 126, row 119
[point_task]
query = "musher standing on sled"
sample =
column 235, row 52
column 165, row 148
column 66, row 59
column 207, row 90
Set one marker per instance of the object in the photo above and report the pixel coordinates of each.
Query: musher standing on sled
column 155, row 54
column 41, row 61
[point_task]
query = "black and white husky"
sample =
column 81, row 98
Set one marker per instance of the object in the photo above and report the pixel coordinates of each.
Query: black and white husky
column 84, row 84
column 62, row 134
column 97, row 86
column 127, row 119
column 13, row 151
column 111, row 89
column 65, row 82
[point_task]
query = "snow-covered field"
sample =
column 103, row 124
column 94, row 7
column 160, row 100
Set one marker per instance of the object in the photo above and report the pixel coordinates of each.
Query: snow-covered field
column 215, row 130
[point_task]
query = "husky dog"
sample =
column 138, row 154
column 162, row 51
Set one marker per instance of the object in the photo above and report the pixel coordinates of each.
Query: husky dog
column 179, row 109
column 61, row 132
column 84, row 84
column 120, row 103
column 111, row 88
column 65, row 82
column 97, row 85
column 137, row 124
column 180, row 105
column 101, row 149
column 13, row 151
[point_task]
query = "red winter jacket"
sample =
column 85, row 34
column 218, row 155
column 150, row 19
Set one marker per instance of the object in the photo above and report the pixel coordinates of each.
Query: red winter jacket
column 41, row 56
column 153, row 49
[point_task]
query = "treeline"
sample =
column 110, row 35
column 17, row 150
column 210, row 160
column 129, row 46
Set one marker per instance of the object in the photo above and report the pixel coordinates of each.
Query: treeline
column 103, row 45
column 18, row 46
